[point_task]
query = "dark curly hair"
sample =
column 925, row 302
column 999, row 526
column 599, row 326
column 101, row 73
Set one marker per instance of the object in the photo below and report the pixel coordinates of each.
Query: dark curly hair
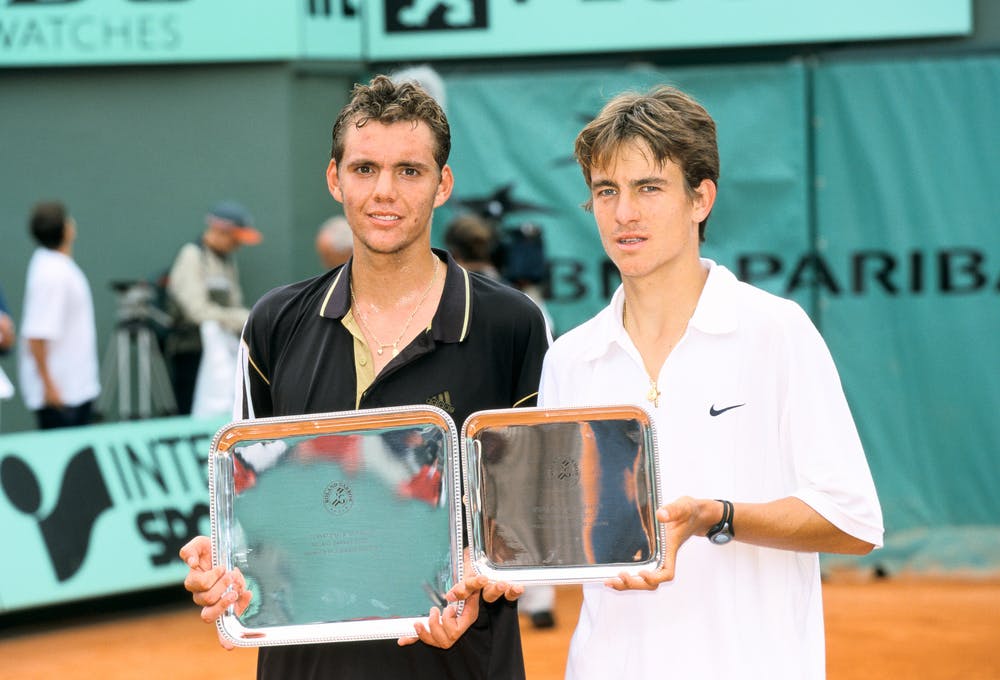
column 386, row 101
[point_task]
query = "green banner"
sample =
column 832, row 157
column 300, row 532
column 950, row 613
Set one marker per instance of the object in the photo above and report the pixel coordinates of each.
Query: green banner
column 99, row 510
column 425, row 29
column 76, row 32
column 908, row 239
column 331, row 30
column 890, row 245
column 513, row 148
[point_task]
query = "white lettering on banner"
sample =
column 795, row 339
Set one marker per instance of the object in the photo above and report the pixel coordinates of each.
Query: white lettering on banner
column 90, row 33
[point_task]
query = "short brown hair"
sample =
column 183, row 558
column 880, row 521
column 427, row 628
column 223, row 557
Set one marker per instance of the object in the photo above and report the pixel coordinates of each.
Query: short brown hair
column 385, row 101
column 672, row 123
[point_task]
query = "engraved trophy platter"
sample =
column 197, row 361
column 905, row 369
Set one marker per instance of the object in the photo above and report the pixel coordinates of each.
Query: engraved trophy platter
column 562, row 495
column 349, row 525
column 344, row 525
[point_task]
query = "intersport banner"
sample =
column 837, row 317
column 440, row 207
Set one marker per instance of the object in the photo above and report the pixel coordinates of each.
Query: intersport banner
column 98, row 510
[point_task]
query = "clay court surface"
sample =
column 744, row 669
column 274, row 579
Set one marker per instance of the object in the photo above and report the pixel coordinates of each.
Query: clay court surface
column 883, row 629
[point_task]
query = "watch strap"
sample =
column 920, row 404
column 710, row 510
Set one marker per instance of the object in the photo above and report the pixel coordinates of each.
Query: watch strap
column 724, row 525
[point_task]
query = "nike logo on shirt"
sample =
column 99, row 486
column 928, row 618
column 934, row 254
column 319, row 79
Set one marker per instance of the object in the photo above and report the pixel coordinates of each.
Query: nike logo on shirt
column 712, row 411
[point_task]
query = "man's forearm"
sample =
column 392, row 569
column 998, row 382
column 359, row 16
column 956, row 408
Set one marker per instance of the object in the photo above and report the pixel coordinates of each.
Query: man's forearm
column 40, row 353
column 7, row 334
column 790, row 524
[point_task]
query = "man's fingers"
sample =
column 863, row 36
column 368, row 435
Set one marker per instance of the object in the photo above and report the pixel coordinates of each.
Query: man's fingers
column 197, row 553
column 464, row 589
column 444, row 627
column 493, row 591
column 198, row 582
column 644, row 580
column 434, row 632
column 210, row 612
column 490, row 591
column 225, row 642
column 243, row 601
column 219, row 595
column 407, row 641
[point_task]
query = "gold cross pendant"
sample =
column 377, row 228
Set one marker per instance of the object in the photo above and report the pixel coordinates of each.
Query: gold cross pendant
column 654, row 394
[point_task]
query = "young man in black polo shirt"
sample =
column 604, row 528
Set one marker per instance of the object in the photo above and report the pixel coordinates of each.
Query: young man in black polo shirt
column 398, row 324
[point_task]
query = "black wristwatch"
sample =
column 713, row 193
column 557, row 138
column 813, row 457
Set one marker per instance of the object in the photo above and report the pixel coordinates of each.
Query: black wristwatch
column 722, row 533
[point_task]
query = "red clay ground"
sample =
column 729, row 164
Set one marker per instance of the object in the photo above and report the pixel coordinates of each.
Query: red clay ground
column 885, row 629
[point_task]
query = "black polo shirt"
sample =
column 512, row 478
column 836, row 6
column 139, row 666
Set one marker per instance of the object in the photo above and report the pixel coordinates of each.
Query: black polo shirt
column 483, row 350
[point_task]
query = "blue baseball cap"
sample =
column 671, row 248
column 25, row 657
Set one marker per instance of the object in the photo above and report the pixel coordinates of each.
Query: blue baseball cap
column 236, row 218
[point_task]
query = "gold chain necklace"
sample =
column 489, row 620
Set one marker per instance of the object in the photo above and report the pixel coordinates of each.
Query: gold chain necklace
column 653, row 395
column 394, row 344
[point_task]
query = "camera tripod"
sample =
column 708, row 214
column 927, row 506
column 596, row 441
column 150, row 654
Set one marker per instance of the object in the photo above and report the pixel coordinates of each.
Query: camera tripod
column 133, row 359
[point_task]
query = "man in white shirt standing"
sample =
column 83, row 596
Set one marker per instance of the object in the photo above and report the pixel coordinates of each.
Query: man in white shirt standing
column 749, row 409
column 58, row 352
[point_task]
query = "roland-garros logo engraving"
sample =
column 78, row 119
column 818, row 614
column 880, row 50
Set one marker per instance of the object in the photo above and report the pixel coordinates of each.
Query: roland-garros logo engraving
column 564, row 470
column 338, row 498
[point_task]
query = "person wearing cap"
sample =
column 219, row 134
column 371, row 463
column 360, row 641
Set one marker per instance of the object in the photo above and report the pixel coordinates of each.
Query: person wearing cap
column 204, row 285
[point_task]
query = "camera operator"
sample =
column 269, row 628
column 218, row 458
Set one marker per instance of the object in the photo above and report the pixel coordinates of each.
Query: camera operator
column 58, row 354
column 204, row 286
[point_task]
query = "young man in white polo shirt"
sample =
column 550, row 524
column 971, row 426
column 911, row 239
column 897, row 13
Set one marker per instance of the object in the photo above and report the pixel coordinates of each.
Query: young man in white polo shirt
column 58, row 355
column 749, row 409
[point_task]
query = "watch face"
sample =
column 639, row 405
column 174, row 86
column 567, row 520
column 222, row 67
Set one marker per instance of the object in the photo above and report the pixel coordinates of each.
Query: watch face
column 720, row 539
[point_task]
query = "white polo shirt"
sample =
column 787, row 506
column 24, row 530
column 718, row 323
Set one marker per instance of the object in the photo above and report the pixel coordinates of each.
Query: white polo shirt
column 782, row 428
column 58, row 308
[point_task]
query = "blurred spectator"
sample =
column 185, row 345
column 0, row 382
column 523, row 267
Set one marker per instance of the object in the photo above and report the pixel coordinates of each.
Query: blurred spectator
column 7, row 332
column 203, row 286
column 524, row 262
column 58, row 353
column 7, row 337
column 472, row 242
column 424, row 76
column 334, row 242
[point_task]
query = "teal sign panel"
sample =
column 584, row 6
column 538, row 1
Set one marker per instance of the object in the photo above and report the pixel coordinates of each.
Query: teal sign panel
column 98, row 510
column 423, row 29
column 80, row 32
column 331, row 30
column 908, row 236
column 512, row 147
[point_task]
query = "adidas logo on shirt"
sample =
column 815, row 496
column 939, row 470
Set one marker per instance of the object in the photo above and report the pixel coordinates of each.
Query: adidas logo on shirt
column 442, row 401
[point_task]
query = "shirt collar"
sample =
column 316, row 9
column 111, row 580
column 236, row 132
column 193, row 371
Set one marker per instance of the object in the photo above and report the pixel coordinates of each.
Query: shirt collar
column 715, row 314
column 451, row 321
column 609, row 331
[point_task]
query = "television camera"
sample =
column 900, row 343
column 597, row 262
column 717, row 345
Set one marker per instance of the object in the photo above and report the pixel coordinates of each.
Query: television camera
column 133, row 359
